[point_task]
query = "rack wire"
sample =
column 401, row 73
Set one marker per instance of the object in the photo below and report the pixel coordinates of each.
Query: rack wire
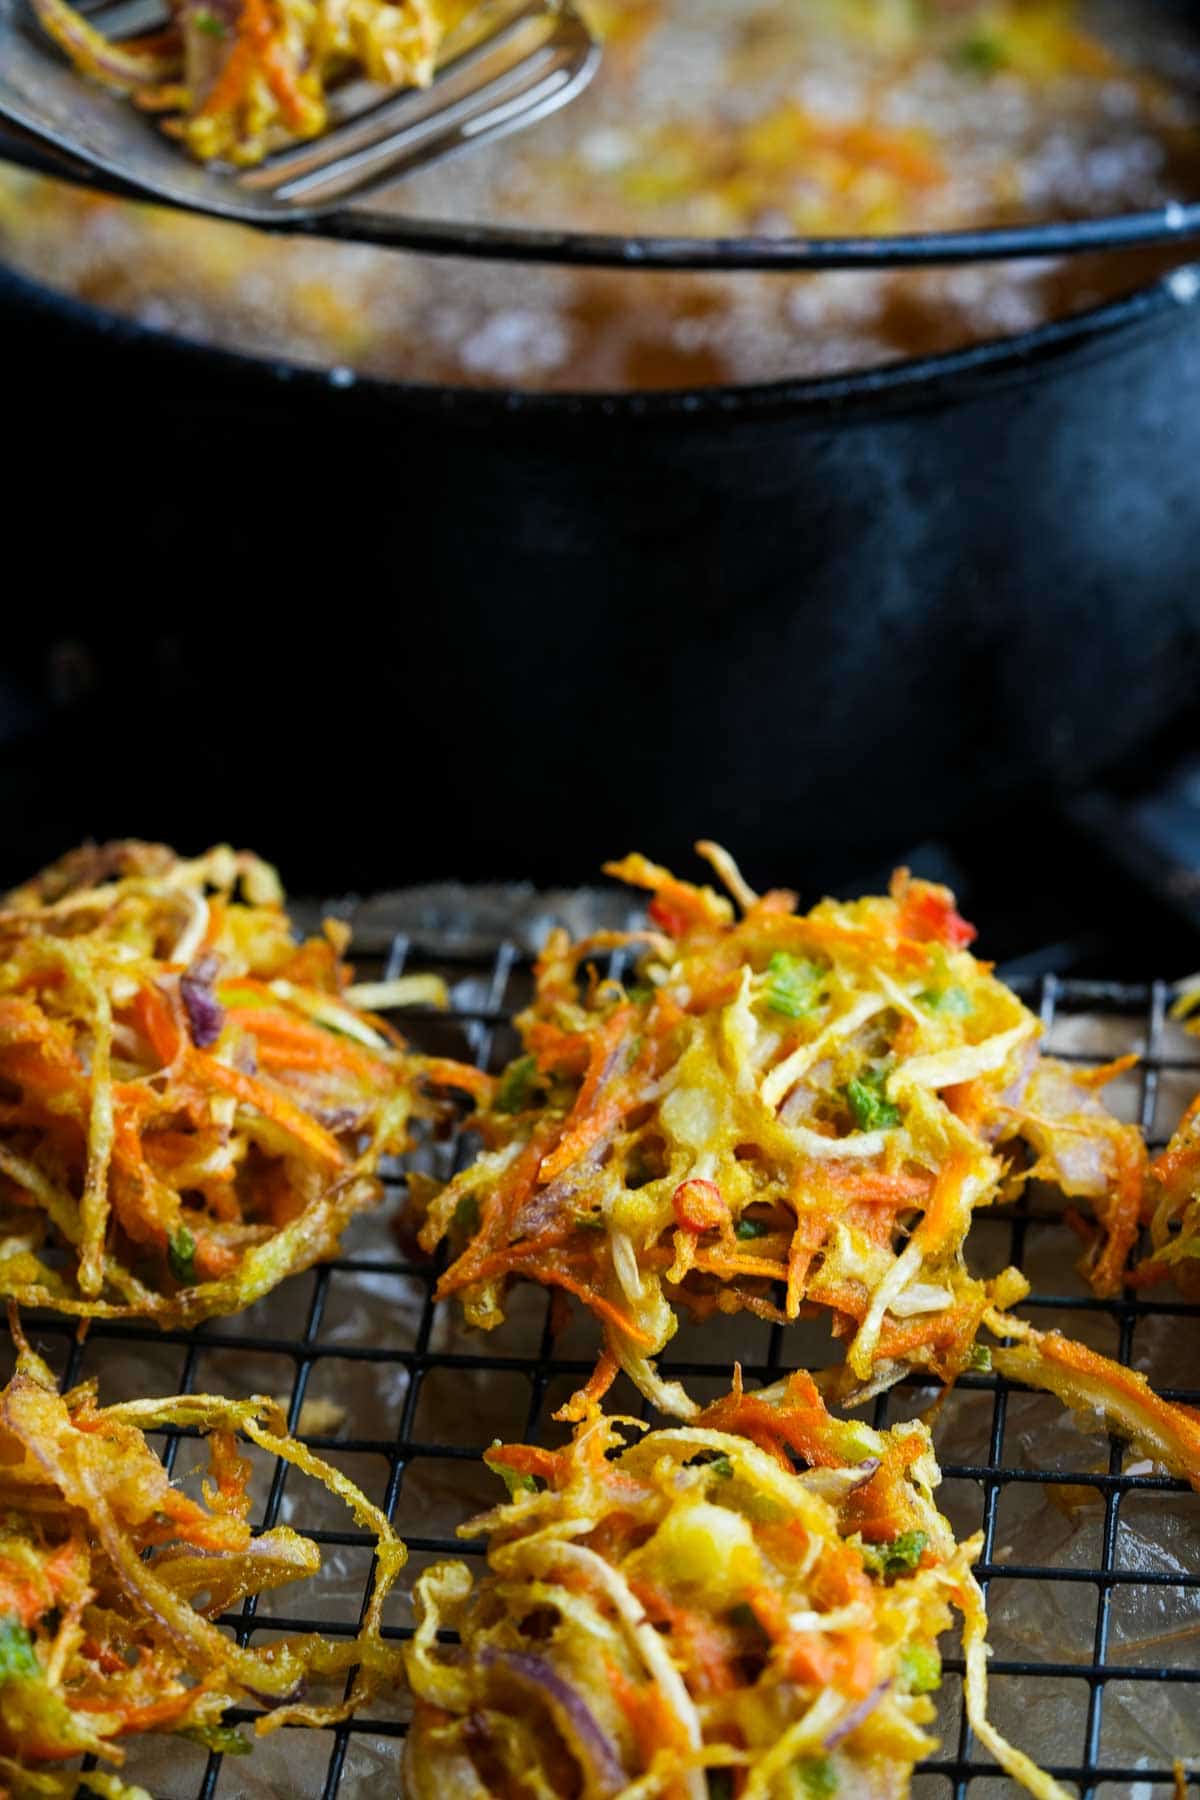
column 433, row 1385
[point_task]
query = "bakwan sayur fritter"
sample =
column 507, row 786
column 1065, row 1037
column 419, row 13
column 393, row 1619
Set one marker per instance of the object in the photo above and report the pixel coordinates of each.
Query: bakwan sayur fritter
column 793, row 1114
column 780, row 1112
column 112, row 1578
column 749, row 1606
column 235, row 79
column 192, row 1104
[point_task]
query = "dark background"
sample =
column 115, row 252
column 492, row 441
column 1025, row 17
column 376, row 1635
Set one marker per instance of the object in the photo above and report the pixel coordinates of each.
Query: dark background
column 289, row 737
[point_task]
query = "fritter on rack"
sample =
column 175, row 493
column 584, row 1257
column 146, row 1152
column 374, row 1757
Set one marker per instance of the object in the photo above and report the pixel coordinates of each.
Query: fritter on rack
column 1174, row 1208
column 112, row 1580
column 1173, row 1194
column 192, row 1105
column 782, row 1113
column 237, row 79
column 750, row 1606
column 1095, row 1387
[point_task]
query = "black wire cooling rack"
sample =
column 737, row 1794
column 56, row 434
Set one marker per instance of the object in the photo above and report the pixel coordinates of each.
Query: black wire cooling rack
column 426, row 1378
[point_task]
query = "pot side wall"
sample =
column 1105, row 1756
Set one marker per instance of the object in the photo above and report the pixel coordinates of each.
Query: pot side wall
column 471, row 639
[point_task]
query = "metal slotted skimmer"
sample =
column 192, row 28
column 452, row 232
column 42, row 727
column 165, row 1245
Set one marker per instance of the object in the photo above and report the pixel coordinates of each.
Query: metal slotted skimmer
column 1089, row 1560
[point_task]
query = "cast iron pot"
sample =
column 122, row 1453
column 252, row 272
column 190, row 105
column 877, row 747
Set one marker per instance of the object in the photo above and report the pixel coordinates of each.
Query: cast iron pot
column 408, row 631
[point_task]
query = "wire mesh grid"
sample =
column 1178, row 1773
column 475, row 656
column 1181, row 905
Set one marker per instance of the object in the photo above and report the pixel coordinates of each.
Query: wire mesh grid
column 396, row 1392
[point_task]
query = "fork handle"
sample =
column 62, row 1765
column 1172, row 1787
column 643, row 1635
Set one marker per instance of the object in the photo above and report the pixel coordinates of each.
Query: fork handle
column 355, row 225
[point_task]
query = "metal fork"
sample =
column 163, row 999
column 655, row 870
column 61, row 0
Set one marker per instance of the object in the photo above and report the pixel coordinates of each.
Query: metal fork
column 532, row 61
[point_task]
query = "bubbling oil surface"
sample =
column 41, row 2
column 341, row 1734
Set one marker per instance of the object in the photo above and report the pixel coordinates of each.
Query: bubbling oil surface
column 709, row 117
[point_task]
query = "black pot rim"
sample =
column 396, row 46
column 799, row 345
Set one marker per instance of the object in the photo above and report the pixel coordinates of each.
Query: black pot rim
column 908, row 384
column 1172, row 221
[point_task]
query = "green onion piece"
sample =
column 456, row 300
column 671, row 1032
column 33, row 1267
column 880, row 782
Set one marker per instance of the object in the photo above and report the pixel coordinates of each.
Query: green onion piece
column 466, row 1215
column 865, row 1098
column 747, row 1229
column 230, row 994
column 721, row 1467
column 954, row 1000
column 979, row 1357
column 226, row 1740
column 181, row 1254
column 589, row 1221
column 900, row 1557
column 514, row 1482
column 816, row 1778
column 761, row 1509
column 921, row 1668
column 981, row 53
column 794, row 987
column 516, row 1084
column 211, row 26
column 17, row 1658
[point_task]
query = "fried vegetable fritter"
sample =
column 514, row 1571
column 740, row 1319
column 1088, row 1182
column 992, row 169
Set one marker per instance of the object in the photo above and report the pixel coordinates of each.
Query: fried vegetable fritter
column 192, row 1106
column 112, row 1580
column 237, row 79
column 783, row 1113
column 750, row 1606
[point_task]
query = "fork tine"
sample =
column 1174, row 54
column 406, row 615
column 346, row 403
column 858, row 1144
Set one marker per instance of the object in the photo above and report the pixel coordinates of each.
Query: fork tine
column 125, row 18
column 380, row 146
column 534, row 61
column 476, row 119
column 412, row 109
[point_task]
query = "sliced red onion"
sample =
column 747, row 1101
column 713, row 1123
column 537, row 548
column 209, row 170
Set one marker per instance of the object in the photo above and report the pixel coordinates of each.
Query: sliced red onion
column 535, row 1672
column 204, row 1016
column 271, row 1701
column 853, row 1719
column 833, row 1484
